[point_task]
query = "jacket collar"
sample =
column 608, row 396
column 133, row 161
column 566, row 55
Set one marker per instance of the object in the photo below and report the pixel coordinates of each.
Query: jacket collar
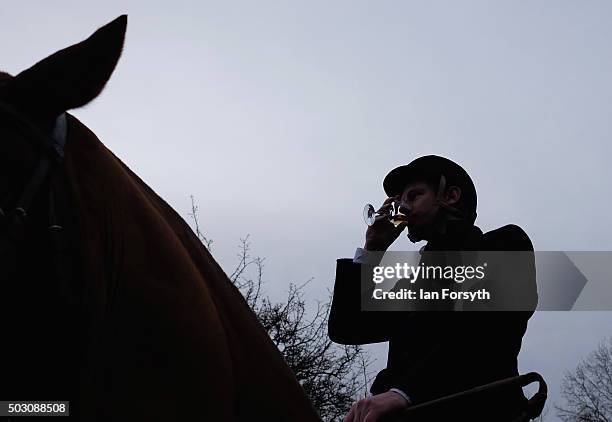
column 459, row 236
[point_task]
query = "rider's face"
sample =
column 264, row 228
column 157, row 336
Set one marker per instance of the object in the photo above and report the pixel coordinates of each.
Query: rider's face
column 421, row 199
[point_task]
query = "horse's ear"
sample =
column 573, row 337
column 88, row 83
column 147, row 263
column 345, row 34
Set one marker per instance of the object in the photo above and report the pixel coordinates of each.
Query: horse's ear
column 71, row 77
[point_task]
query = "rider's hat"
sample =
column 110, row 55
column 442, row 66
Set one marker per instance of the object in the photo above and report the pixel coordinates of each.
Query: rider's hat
column 434, row 168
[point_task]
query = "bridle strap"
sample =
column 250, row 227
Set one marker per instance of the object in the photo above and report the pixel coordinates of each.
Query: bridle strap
column 41, row 140
column 51, row 156
column 38, row 177
column 58, row 246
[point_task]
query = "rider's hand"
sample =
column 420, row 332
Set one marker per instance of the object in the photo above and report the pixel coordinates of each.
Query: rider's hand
column 371, row 409
column 381, row 234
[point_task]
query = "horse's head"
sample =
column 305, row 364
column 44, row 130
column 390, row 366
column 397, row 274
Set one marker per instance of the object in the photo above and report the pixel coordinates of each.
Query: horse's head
column 33, row 99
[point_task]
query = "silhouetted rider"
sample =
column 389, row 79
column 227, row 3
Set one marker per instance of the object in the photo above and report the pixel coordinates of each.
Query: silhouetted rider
column 433, row 354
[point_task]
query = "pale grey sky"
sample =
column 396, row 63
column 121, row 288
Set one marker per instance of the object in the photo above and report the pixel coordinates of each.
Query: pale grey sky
column 282, row 118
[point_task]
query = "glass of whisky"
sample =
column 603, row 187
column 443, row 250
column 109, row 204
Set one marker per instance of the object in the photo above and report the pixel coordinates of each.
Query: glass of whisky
column 396, row 216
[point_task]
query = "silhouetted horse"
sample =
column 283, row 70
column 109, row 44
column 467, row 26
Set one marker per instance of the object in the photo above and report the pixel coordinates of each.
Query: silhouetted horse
column 108, row 299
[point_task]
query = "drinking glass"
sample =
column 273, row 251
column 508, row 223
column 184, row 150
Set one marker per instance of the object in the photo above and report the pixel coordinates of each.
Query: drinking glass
column 397, row 214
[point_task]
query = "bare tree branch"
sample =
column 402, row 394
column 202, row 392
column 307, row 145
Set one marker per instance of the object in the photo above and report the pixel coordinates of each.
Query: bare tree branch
column 194, row 215
column 588, row 389
column 333, row 376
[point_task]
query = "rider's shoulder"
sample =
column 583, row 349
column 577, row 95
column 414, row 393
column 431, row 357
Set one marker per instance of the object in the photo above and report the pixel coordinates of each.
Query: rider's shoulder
column 509, row 238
